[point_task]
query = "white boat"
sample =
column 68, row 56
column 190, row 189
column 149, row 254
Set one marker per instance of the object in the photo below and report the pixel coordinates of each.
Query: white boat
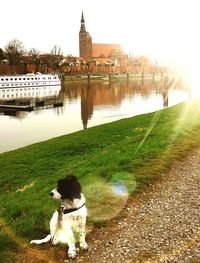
column 29, row 80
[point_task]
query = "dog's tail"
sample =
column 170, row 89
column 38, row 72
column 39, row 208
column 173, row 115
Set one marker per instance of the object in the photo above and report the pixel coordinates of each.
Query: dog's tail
column 40, row 241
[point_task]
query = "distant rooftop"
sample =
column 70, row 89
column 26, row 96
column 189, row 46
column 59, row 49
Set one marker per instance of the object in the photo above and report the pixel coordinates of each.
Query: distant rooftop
column 104, row 50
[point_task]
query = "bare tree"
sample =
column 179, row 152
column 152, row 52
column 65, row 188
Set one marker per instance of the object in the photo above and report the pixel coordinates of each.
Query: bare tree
column 14, row 51
column 56, row 57
column 34, row 55
column 24, row 61
column 46, row 61
column 2, row 55
column 56, row 51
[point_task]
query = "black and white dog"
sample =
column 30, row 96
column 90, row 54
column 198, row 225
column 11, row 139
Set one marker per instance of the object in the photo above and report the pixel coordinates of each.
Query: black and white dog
column 70, row 217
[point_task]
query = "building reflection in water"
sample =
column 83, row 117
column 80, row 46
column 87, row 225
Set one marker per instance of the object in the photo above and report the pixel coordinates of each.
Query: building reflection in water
column 92, row 95
column 86, row 104
column 95, row 96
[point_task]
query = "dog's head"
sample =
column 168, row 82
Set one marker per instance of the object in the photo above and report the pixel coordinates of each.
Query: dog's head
column 67, row 188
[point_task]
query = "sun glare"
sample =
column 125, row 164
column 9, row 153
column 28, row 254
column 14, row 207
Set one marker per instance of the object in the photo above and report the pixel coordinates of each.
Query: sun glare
column 193, row 79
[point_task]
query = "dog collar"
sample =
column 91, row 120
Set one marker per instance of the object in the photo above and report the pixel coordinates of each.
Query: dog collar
column 70, row 210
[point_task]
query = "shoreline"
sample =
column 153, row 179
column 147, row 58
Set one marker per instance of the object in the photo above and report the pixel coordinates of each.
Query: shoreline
column 113, row 77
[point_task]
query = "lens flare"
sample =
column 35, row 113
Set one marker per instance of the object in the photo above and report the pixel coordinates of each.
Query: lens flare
column 150, row 128
column 119, row 189
column 105, row 200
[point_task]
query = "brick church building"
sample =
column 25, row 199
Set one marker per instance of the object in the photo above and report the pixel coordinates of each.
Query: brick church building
column 96, row 51
column 85, row 41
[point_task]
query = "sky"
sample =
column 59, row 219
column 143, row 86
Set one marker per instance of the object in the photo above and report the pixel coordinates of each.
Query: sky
column 162, row 29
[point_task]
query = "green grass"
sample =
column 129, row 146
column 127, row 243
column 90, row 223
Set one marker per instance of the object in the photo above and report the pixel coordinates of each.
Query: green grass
column 193, row 261
column 126, row 155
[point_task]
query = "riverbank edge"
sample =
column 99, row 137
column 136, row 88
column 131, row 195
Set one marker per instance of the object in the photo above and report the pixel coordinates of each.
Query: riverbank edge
column 115, row 77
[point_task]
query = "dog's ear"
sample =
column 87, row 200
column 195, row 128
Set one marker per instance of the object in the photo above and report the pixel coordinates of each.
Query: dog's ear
column 69, row 188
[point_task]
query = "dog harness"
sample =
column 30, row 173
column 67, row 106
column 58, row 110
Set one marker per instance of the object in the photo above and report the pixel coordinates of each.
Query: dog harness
column 69, row 210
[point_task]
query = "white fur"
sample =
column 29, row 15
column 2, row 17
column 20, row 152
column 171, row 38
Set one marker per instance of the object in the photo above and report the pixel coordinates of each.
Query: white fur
column 55, row 193
column 62, row 226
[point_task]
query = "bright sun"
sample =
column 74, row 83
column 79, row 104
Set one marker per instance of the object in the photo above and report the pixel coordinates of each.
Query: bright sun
column 192, row 75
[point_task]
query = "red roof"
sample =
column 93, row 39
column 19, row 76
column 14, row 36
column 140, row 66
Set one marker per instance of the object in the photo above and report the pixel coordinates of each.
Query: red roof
column 104, row 50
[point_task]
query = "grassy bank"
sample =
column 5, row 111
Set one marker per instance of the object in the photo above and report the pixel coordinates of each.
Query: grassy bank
column 111, row 161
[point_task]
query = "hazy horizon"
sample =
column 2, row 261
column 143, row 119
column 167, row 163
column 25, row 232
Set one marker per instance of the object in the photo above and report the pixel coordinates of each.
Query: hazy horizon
column 162, row 29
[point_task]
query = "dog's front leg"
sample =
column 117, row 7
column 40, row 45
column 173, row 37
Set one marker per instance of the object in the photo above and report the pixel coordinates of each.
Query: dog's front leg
column 69, row 237
column 53, row 227
column 71, row 243
column 83, row 244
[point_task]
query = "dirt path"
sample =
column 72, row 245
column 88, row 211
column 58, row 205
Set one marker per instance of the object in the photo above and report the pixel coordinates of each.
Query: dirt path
column 161, row 225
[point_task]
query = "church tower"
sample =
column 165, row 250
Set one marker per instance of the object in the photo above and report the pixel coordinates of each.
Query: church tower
column 85, row 41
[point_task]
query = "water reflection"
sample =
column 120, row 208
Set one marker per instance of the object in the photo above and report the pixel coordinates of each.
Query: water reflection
column 18, row 102
column 75, row 106
column 86, row 104
column 111, row 97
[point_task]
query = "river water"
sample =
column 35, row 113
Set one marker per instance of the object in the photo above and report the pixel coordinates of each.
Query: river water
column 76, row 106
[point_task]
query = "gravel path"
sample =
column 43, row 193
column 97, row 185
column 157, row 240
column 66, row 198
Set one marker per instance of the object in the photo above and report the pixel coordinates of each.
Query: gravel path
column 161, row 225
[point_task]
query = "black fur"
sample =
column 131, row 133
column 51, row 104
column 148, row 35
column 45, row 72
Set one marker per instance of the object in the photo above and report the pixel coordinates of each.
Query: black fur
column 69, row 188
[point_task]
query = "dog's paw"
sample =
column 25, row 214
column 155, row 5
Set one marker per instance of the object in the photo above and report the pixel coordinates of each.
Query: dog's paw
column 72, row 253
column 55, row 241
column 83, row 246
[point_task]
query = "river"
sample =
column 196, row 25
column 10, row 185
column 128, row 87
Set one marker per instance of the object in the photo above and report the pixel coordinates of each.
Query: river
column 81, row 106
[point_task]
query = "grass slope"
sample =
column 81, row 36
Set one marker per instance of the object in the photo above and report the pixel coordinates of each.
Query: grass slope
column 110, row 160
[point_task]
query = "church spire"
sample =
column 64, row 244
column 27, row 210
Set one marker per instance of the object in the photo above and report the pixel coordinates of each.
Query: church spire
column 85, row 41
column 82, row 23
column 82, row 18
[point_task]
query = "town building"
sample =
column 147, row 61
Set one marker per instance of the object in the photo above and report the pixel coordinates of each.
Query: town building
column 110, row 54
column 85, row 41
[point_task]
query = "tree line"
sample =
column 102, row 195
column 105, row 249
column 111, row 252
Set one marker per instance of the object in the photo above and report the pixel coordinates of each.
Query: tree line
column 18, row 58
column 15, row 59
